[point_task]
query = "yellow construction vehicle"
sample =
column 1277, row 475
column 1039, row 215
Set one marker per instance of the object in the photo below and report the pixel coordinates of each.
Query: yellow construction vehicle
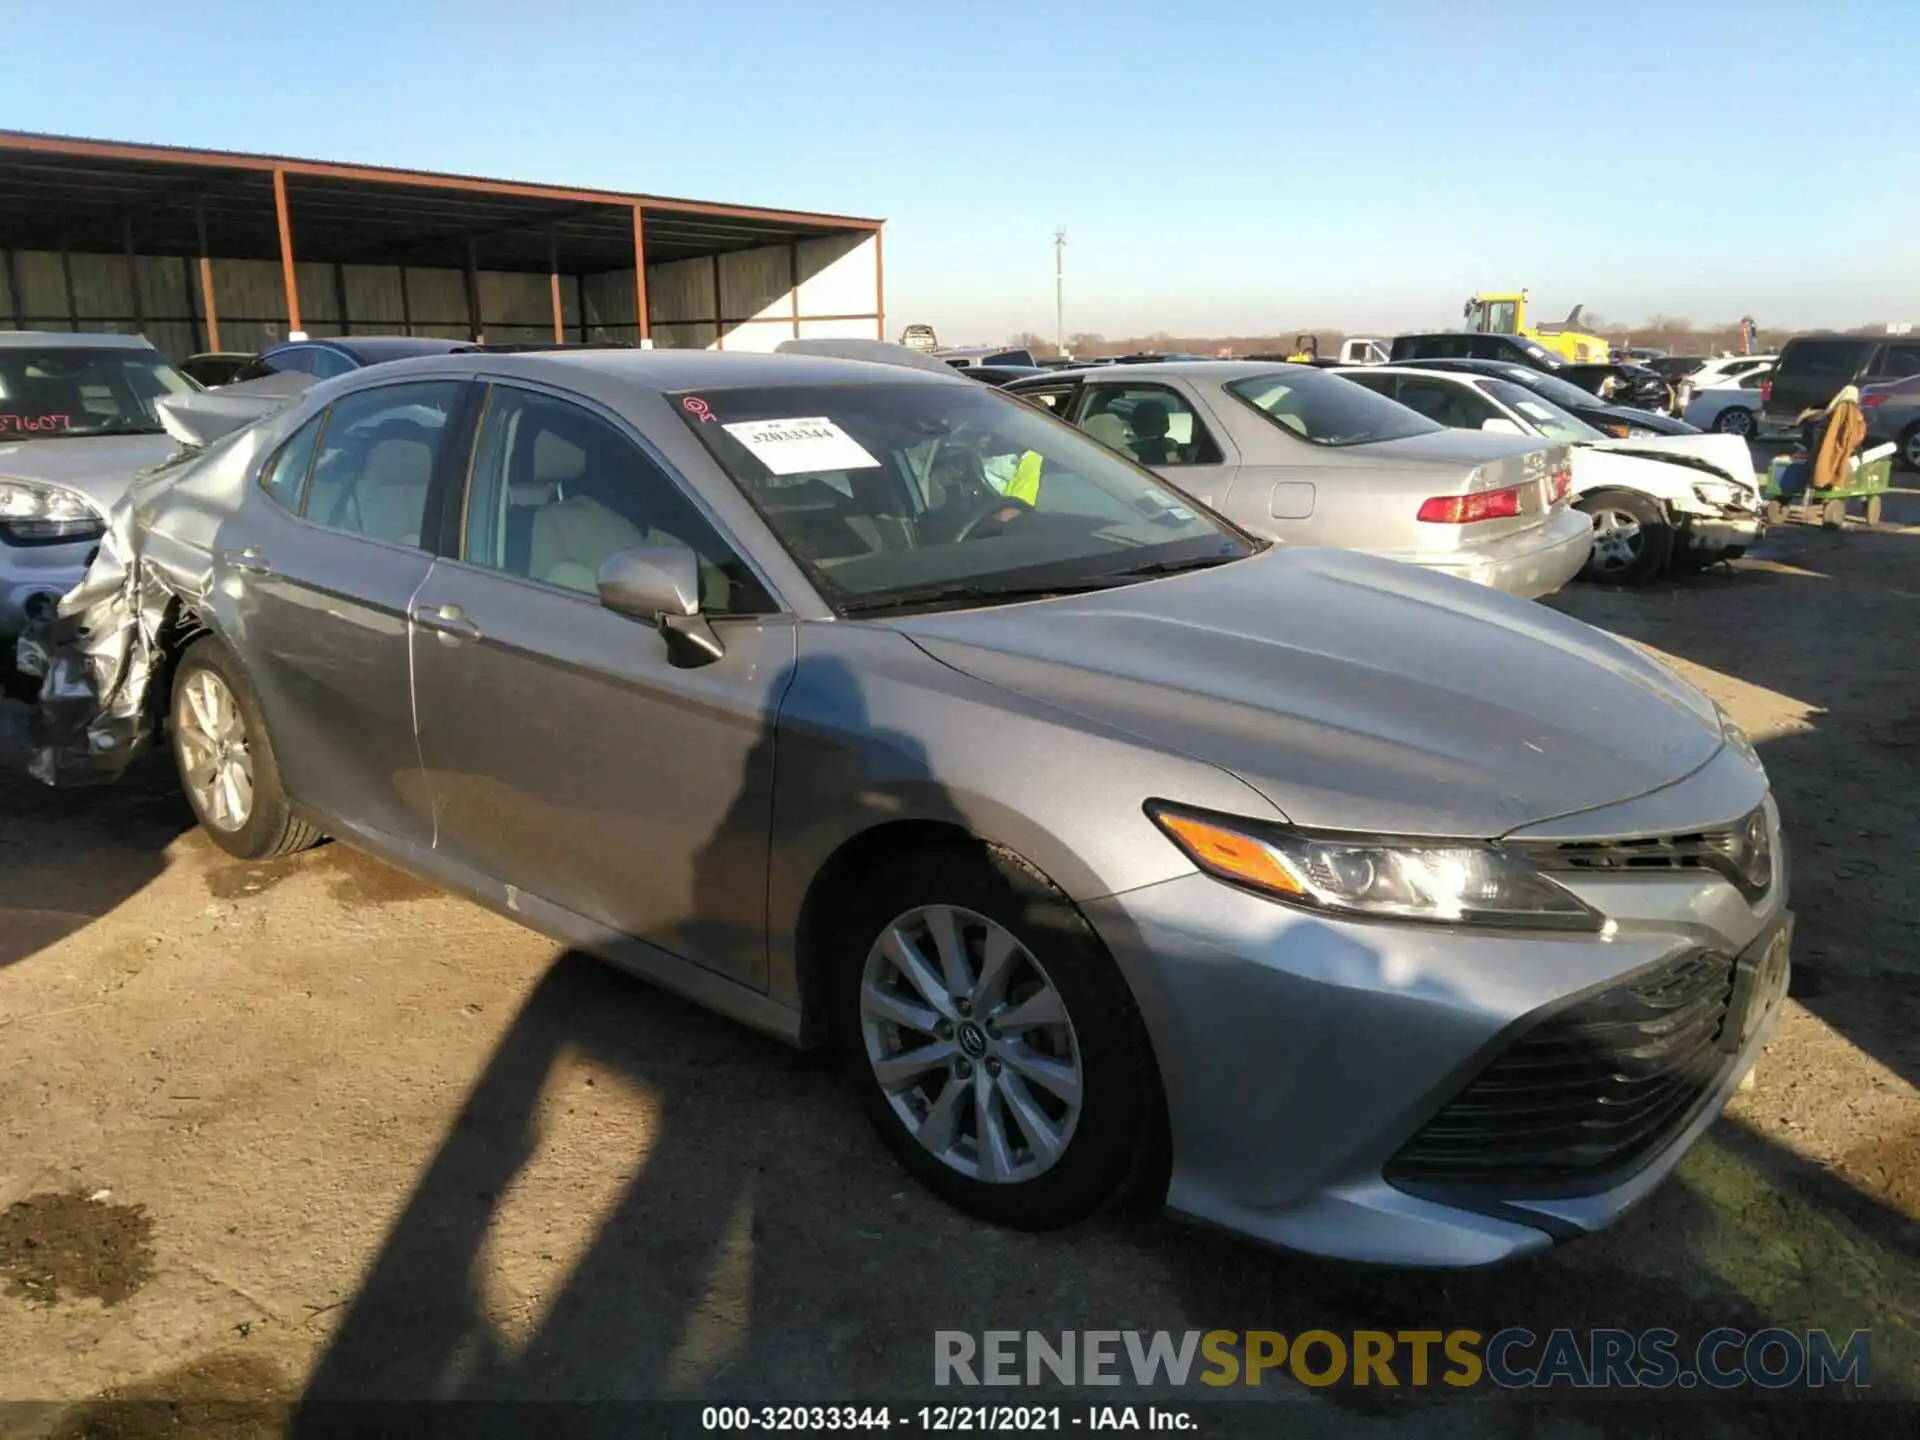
column 1506, row 314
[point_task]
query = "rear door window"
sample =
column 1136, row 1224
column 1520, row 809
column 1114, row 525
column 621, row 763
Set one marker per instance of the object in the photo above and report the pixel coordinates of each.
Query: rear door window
column 1897, row 362
column 1455, row 406
column 1154, row 424
column 1054, row 399
column 284, row 477
column 1823, row 357
column 376, row 459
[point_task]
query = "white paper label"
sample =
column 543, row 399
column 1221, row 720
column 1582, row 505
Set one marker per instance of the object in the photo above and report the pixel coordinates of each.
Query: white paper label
column 801, row 445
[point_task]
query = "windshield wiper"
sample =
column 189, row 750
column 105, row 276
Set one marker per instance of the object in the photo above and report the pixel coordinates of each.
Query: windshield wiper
column 964, row 594
column 1169, row 567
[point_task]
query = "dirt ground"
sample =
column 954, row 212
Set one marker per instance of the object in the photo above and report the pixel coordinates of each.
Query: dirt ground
column 315, row 1129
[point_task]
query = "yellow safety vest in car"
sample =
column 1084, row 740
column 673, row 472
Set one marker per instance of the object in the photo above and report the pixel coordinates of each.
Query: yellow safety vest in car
column 1025, row 484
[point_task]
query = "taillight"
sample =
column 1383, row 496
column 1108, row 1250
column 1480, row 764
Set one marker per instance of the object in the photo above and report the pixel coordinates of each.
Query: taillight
column 1766, row 391
column 1466, row 509
column 1867, row 402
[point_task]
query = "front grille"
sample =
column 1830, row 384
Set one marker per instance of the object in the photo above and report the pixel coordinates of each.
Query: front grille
column 1742, row 853
column 1583, row 1095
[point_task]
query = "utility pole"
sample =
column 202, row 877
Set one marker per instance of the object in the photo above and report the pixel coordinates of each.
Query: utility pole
column 1060, row 290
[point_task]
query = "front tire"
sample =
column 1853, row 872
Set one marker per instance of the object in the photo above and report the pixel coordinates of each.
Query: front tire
column 1632, row 541
column 1909, row 443
column 225, row 760
column 994, row 1044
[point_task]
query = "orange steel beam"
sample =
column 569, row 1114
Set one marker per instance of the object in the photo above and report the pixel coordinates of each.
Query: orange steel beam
column 206, row 302
column 640, row 274
column 206, row 280
column 553, row 282
column 287, row 277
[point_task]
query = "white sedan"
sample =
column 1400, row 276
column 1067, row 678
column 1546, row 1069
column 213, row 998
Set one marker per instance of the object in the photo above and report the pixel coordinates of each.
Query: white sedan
column 1658, row 503
column 1724, row 369
column 1731, row 407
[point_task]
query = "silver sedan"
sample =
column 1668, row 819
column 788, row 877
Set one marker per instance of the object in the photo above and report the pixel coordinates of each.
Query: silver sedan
column 1307, row 457
column 1352, row 907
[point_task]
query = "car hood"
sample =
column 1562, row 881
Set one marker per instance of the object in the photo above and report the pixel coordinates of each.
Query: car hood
column 1354, row 693
column 99, row 466
column 1462, row 447
column 1728, row 455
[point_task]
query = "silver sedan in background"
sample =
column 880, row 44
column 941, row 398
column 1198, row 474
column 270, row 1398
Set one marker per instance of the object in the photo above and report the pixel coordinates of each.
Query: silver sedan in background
column 1349, row 906
column 1300, row 455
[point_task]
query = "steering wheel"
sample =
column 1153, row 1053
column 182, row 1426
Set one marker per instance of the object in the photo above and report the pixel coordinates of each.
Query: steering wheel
column 1001, row 509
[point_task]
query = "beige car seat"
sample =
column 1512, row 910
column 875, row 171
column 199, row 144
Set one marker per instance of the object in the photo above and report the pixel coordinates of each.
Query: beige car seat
column 391, row 494
column 1109, row 429
column 572, row 538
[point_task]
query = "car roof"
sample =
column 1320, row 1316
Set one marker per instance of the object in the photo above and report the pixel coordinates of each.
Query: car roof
column 666, row 371
column 1418, row 367
column 69, row 340
column 377, row 348
column 1215, row 369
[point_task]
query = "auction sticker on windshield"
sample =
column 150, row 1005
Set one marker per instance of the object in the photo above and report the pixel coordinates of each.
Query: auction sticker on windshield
column 799, row 446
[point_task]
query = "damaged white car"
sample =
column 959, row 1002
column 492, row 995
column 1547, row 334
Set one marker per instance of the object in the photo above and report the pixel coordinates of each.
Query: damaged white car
column 1660, row 504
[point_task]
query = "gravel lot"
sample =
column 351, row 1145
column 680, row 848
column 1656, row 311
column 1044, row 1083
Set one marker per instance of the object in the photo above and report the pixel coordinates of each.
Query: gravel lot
column 314, row 1128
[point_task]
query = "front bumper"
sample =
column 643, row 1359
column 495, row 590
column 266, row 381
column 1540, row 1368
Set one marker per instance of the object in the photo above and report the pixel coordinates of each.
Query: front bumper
column 1533, row 563
column 1714, row 533
column 32, row 580
column 1300, row 1054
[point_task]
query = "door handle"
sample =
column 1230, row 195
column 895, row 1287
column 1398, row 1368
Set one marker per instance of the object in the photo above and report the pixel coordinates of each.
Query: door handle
column 249, row 560
column 449, row 622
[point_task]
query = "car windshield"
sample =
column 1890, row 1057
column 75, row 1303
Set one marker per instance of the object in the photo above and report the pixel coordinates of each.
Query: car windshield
column 896, row 494
column 1560, row 392
column 1546, row 417
column 1325, row 409
column 65, row 391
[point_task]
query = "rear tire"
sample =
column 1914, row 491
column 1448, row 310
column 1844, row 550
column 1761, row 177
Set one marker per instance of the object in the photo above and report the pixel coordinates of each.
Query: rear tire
column 1734, row 421
column 1095, row 1151
column 1909, row 443
column 1632, row 541
column 225, row 760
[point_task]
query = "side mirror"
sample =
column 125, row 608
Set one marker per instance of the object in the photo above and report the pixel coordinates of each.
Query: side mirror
column 661, row 583
column 1500, row 425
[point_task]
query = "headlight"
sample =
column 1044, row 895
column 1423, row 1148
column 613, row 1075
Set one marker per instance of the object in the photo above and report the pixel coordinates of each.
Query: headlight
column 1712, row 494
column 1446, row 882
column 36, row 514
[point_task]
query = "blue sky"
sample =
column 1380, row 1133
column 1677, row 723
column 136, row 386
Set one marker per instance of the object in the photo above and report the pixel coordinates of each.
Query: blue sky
column 1249, row 167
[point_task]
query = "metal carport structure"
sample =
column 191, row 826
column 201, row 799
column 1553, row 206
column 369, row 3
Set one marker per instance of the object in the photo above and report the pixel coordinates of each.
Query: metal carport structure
column 205, row 250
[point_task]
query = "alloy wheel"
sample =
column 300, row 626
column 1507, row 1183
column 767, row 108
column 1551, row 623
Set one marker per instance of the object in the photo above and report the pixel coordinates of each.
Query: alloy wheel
column 971, row 1044
column 1912, row 450
column 1735, row 422
column 213, row 742
column 1617, row 539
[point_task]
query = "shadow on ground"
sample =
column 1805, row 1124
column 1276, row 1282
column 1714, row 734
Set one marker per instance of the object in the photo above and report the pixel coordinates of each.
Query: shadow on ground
column 70, row 857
